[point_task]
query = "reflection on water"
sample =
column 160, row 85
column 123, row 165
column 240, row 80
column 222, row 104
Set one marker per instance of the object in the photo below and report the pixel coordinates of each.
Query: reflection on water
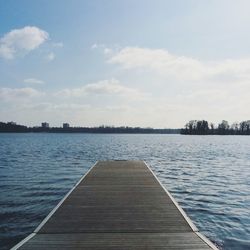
column 208, row 175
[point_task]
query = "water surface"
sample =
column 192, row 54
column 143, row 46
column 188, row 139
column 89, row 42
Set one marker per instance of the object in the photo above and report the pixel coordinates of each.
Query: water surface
column 208, row 175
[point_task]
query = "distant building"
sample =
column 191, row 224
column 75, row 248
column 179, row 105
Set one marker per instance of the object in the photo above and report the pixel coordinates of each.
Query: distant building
column 65, row 125
column 45, row 125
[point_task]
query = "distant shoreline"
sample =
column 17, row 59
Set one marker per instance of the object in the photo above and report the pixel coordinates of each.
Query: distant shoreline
column 194, row 127
column 15, row 128
column 67, row 132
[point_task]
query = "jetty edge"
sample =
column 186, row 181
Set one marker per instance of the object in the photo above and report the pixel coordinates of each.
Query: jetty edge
column 117, row 205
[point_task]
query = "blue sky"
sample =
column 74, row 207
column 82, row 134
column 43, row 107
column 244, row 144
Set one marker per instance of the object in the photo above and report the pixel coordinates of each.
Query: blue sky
column 137, row 63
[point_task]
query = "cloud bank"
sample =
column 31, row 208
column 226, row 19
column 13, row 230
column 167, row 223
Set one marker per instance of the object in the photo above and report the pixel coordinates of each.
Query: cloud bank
column 33, row 81
column 13, row 94
column 152, row 87
column 180, row 67
column 104, row 87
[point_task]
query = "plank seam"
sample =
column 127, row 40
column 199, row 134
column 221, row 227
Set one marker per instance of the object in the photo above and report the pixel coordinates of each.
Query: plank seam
column 117, row 232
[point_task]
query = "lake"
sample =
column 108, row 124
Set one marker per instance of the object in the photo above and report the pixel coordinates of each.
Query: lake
column 208, row 175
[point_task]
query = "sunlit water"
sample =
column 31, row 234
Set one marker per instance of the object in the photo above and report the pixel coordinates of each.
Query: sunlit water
column 208, row 175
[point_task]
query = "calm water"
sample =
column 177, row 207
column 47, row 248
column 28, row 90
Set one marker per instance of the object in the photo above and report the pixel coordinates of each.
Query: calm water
column 208, row 175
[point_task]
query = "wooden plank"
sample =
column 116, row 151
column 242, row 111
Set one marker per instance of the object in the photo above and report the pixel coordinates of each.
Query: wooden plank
column 117, row 205
column 115, row 241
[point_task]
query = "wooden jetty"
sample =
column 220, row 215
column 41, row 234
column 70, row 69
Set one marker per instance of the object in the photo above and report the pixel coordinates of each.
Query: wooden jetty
column 117, row 205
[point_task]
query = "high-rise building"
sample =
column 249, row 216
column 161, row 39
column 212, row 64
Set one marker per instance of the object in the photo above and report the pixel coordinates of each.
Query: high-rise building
column 45, row 125
column 65, row 125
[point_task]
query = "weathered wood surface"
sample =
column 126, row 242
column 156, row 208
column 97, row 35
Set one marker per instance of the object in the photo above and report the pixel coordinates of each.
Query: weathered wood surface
column 117, row 205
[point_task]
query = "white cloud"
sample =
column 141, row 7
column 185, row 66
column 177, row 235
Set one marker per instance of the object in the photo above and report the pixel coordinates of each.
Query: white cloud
column 33, row 81
column 106, row 50
column 105, row 87
column 21, row 41
column 53, row 107
column 18, row 93
column 94, row 46
column 180, row 67
column 50, row 57
column 98, row 46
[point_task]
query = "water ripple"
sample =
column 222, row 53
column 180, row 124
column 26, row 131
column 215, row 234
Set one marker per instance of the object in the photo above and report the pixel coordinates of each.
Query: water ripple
column 208, row 175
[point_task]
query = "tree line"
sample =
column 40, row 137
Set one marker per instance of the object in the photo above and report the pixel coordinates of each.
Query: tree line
column 203, row 127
